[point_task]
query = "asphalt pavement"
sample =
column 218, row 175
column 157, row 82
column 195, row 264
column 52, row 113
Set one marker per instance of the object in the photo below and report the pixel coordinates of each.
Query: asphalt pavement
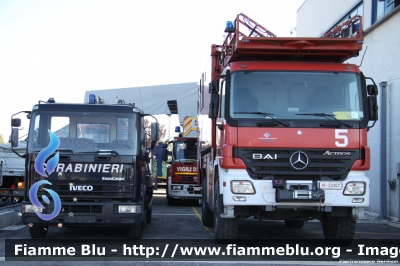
column 182, row 223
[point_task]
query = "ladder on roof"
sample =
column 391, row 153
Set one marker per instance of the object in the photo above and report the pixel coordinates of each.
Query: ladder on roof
column 259, row 44
column 254, row 28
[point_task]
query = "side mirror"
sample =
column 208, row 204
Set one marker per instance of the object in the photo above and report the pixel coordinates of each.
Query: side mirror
column 372, row 92
column 213, row 87
column 16, row 122
column 214, row 106
column 14, row 137
column 154, row 132
column 372, row 89
column 373, row 108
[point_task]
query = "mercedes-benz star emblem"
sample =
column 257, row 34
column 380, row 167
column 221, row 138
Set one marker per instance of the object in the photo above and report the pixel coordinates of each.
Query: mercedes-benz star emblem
column 299, row 160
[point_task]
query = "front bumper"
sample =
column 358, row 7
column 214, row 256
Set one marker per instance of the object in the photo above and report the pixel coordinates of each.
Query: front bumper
column 185, row 192
column 75, row 214
column 266, row 193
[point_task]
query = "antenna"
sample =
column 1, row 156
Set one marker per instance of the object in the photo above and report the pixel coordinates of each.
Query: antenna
column 363, row 56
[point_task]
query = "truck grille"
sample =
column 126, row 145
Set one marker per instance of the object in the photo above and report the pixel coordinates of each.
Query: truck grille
column 264, row 162
column 192, row 191
column 96, row 191
column 183, row 179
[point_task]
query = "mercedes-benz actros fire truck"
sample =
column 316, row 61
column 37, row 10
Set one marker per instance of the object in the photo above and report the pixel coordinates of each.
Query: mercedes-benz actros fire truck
column 286, row 133
column 94, row 158
column 182, row 181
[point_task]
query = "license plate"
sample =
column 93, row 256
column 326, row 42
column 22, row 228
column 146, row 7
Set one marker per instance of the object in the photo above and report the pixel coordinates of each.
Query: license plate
column 330, row 185
column 197, row 188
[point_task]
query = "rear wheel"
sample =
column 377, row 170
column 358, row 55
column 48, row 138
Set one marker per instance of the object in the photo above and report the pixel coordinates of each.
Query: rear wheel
column 294, row 223
column 206, row 215
column 135, row 231
column 339, row 230
column 224, row 228
column 38, row 231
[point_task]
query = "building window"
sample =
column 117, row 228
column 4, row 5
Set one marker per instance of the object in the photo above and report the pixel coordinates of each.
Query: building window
column 359, row 10
column 391, row 4
column 381, row 8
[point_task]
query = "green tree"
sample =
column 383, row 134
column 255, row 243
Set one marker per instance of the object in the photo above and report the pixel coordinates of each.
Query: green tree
column 1, row 139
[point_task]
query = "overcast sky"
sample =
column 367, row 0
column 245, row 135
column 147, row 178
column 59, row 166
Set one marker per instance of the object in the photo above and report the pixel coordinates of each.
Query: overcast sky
column 62, row 48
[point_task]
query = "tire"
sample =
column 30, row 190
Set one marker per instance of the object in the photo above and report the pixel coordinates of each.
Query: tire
column 37, row 231
column 339, row 231
column 149, row 196
column 135, row 231
column 148, row 216
column 225, row 229
column 294, row 223
column 206, row 215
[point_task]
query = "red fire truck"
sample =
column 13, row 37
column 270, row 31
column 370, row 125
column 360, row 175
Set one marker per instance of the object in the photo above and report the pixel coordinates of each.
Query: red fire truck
column 286, row 133
column 182, row 181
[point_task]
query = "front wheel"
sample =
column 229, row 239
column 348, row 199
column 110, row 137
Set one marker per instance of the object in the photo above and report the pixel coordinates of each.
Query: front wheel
column 224, row 228
column 206, row 214
column 148, row 215
column 135, row 231
column 339, row 230
column 37, row 231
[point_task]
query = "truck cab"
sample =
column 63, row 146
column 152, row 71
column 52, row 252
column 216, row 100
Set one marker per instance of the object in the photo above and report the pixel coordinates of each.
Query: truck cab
column 182, row 173
column 288, row 121
column 92, row 159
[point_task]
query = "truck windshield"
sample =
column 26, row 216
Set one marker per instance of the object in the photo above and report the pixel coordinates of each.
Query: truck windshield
column 296, row 95
column 185, row 150
column 85, row 132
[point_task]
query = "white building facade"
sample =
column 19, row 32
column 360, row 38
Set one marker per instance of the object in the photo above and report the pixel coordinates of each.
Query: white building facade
column 380, row 60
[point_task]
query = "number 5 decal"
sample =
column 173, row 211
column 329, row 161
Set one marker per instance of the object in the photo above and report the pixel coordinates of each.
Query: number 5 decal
column 341, row 138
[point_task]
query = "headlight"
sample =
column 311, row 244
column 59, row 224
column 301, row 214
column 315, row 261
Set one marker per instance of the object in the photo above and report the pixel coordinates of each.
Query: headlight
column 30, row 208
column 129, row 209
column 354, row 188
column 242, row 187
column 176, row 187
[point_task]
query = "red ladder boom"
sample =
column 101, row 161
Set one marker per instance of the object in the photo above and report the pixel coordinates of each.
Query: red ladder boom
column 351, row 27
column 262, row 45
